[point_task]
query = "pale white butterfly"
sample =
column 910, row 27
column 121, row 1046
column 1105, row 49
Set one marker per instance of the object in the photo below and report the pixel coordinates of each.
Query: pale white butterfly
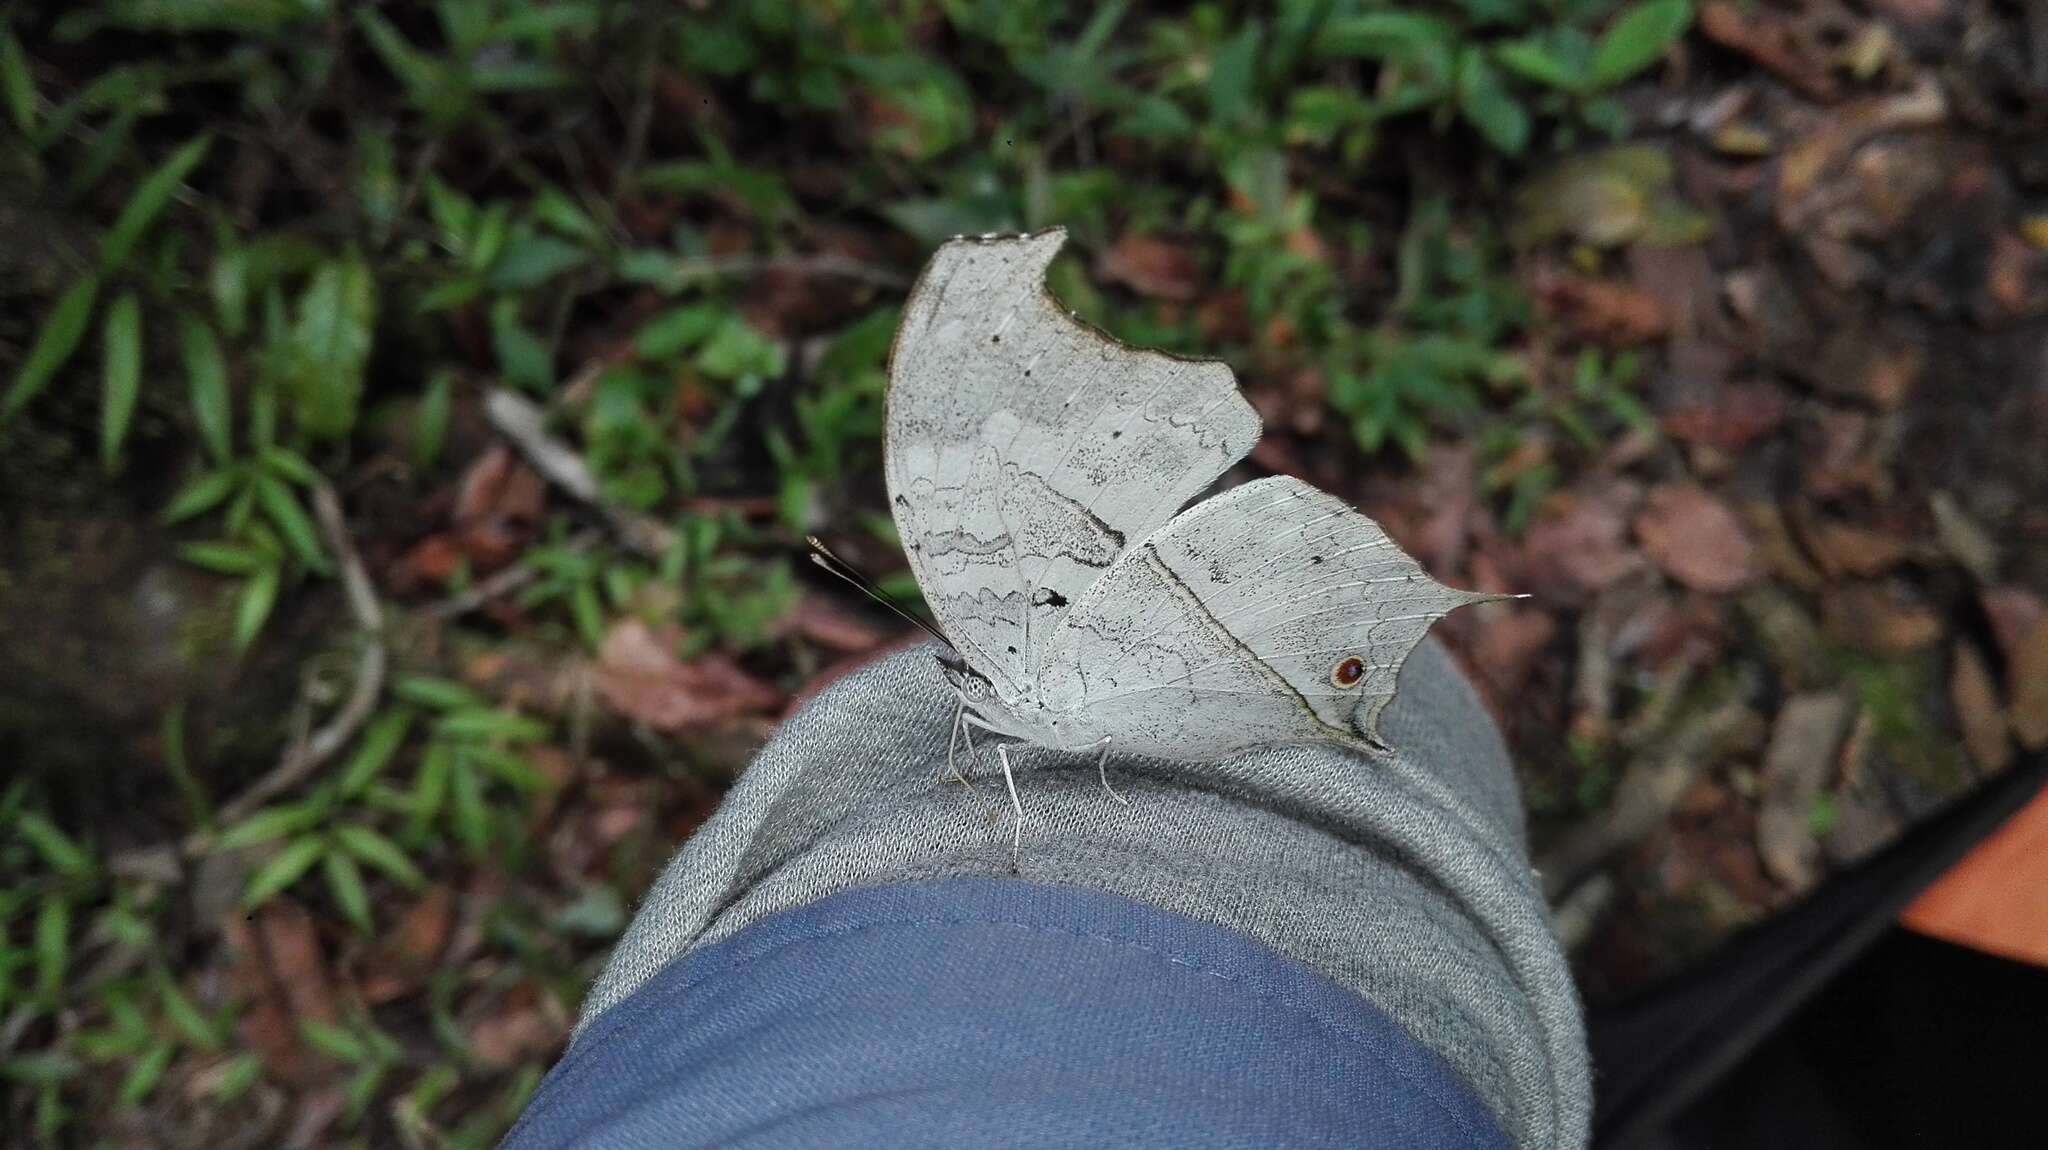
column 1035, row 467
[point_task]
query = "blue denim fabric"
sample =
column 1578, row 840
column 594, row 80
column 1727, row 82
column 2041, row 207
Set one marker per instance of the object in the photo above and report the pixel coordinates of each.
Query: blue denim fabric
column 991, row 1012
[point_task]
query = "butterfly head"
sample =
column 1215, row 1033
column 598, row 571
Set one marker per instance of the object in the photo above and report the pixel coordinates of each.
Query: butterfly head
column 971, row 685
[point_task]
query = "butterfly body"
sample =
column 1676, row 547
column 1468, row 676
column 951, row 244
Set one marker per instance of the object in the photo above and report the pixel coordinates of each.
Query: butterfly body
column 1037, row 472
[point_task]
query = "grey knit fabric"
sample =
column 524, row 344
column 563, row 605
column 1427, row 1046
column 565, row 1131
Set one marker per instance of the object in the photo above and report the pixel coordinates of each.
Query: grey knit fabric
column 1405, row 878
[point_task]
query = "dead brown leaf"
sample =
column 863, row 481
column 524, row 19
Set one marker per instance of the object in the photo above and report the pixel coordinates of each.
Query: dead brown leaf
column 1767, row 39
column 1506, row 648
column 639, row 676
column 292, row 943
column 2013, row 612
column 1578, row 546
column 528, row 1023
column 2029, row 675
column 1797, row 766
column 1697, row 540
column 1847, row 549
column 408, row 951
column 1152, row 266
column 1782, row 554
column 831, row 626
column 1962, row 538
column 280, row 977
column 1606, row 311
column 1735, row 417
column 1975, row 696
column 1883, row 618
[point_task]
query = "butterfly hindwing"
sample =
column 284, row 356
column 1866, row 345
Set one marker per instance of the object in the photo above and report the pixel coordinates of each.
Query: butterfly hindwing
column 1025, row 450
column 1271, row 613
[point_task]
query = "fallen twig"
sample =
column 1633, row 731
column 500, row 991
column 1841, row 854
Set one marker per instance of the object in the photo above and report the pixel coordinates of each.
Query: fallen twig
column 306, row 756
column 1649, row 789
column 524, row 423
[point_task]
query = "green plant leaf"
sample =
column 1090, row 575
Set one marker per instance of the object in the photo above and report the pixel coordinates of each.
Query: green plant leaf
column 290, row 464
column 380, row 741
column 1637, row 39
column 185, row 1016
column 430, row 788
column 345, row 883
column 288, row 867
column 271, row 823
column 55, row 341
column 204, row 493
column 56, row 848
column 428, row 84
column 147, row 1072
column 329, row 347
column 471, row 815
column 1532, row 59
column 17, row 82
column 206, row 369
column 678, row 330
column 53, row 944
column 1233, row 72
column 530, row 259
column 282, row 508
column 430, row 430
column 40, row 1068
column 436, row 694
column 334, row 1040
column 1488, row 105
column 224, row 558
column 243, row 1071
column 151, row 197
column 259, row 595
column 379, row 852
column 120, row 374
column 523, row 357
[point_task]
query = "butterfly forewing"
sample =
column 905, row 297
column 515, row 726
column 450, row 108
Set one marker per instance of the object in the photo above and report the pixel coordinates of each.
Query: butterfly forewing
column 1271, row 613
column 1025, row 450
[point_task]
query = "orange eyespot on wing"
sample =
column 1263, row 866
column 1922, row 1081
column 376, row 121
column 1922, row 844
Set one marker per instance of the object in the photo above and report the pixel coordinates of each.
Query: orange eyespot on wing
column 1348, row 671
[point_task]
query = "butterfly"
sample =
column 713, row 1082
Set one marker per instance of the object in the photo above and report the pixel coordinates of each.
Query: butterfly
column 1037, row 470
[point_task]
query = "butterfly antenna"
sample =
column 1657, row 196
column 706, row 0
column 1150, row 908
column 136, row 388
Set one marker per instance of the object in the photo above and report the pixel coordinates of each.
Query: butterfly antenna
column 823, row 557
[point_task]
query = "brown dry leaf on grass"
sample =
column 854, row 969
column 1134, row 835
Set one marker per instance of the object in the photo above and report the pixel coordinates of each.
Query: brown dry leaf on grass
column 1577, row 547
column 1606, row 311
column 2012, row 612
column 2030, row 688
column 1731, row 419
column 407, row 952
column 1974, row 694
column 1797, row 766
column 1849, row 549
column 527, row 1023
column 1882, row 618
column 1767, row 38
column 1694, row 538
column 279, row 974
column 1505, row 651
column 499, row 504
column 1152, row 266
column 831, row 626
column 639, row 676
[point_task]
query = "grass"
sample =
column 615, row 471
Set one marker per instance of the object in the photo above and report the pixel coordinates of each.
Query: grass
column 298, row 239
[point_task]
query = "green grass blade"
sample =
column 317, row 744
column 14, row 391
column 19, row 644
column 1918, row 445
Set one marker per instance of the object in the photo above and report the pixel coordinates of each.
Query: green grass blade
column 59, row 337
column 121, row 375
column 151, row 197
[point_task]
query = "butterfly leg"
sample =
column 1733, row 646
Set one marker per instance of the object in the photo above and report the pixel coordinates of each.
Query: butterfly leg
column 963, row 732
column 1016, row 808
column 1102, row 772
